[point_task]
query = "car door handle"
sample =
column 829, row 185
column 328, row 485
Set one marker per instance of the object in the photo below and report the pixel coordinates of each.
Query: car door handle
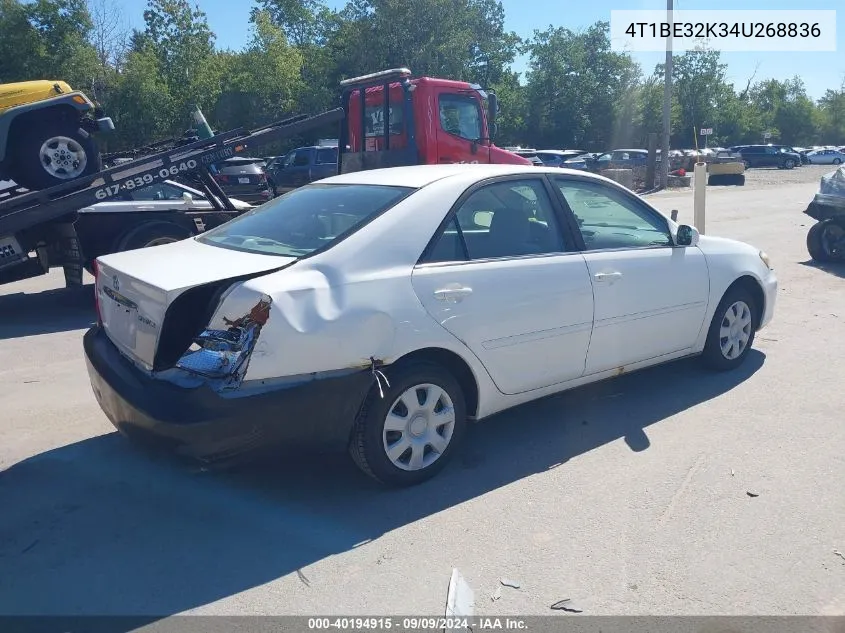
column 452, row 293
column 607, row 276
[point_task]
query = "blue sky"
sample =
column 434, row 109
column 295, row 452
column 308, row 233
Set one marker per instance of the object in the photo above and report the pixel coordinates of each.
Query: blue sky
column 229, row 19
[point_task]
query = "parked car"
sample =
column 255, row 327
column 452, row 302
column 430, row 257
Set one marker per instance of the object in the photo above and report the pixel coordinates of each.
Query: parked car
column 557, row 157
column 161, row 196
column 343, row 314
column 302, row 166
column 767, row 156
column 621, row 159
column 243, row 178
column 826, row 157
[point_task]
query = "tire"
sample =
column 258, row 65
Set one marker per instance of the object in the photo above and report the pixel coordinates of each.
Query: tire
column 837, row 161
column 53, row 154
column 720, row 351
column 789, row 164
column 818, row 241
column 369, row 439
column 151, row 234
column 739, row 180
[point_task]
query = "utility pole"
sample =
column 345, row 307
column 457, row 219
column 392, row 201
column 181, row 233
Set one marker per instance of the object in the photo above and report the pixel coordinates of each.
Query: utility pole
column 667, row 101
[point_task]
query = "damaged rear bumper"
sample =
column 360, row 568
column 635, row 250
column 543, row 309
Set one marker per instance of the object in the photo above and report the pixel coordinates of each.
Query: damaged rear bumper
column 199, row 422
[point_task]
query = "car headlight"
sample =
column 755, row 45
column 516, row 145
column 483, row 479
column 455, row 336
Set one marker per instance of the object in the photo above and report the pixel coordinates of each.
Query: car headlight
column 766, row 260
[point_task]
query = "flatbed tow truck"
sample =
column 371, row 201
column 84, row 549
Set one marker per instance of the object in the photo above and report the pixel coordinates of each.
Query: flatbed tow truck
column 385, row 124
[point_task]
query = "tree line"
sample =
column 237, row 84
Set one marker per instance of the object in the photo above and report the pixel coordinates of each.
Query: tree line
column 576, row 93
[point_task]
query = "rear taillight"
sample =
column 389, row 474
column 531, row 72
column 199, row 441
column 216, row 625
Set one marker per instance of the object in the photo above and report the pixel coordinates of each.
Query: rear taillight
column 221, row 178
column 262, row 177
column 97, row 292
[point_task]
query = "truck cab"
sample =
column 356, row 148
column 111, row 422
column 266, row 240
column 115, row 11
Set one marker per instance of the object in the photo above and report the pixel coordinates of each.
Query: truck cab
column 395, row 120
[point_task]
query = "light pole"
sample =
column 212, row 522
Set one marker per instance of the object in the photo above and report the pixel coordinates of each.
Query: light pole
column 667, row 101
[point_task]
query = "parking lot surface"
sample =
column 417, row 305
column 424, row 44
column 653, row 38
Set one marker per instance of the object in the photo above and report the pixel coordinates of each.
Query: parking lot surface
column 631, row 496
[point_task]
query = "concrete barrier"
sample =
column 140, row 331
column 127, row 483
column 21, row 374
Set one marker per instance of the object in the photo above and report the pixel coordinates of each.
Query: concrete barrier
column 624, row 177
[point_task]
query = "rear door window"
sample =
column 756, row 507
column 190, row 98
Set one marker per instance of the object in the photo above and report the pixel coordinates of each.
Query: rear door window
column 326, row 156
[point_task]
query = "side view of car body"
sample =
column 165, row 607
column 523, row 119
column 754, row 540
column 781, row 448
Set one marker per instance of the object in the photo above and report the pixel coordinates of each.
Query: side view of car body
column 380, row 311
column 826, row 157
column 767, row 156
column 302, row 166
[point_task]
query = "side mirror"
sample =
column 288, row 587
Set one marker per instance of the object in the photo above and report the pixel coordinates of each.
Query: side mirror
column 687, row 236
column 492, row 113
column 187, row 198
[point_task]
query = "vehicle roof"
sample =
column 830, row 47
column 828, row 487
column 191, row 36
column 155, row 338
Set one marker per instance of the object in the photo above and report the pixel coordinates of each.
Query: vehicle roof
column 418, row 176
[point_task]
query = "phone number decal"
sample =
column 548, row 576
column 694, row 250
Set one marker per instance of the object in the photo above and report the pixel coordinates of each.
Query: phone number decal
column 147, row 179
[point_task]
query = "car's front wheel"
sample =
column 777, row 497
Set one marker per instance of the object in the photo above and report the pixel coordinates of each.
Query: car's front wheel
column 732, row 330
column 410, row 425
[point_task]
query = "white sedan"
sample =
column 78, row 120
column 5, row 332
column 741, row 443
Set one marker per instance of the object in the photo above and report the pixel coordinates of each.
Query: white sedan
column 382, row 310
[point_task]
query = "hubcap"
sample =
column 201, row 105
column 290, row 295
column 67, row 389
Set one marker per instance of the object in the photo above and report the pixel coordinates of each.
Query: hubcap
column 418, row 427
column 63, row 157
column 833, row 240
column 735, row 330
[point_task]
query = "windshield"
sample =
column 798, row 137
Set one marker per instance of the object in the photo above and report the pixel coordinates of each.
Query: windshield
column 305, row 220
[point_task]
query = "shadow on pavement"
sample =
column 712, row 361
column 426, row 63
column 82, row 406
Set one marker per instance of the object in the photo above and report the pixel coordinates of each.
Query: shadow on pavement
column 57, row 310
column 99, row 527
column 837, row 269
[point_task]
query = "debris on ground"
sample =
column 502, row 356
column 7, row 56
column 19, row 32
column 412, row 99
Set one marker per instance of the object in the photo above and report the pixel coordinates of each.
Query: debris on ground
column 496, row 594
column 302, row 577
column 566, row 605
column 732, row 472
column 752, row 494
column 836, row 552
column 509, row 583
column 460, row 600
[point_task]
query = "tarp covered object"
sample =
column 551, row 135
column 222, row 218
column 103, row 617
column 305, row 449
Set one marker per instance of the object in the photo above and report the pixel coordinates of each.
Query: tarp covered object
column 832, row 189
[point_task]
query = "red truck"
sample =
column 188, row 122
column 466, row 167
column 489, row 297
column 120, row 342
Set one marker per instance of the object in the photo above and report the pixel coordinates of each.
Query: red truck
column 425, row 121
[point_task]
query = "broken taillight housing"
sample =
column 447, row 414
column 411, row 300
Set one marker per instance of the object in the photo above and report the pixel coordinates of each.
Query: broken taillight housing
column 220, row 353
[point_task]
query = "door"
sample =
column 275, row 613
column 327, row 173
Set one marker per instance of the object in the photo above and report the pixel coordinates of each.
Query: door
column 504, row 282
column 460, row 129
column 650, row 296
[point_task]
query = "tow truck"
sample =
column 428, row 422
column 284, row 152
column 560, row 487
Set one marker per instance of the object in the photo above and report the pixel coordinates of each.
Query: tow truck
column 386, row 119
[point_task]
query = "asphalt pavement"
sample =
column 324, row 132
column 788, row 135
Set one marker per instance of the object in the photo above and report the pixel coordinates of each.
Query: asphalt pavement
column 632, row 496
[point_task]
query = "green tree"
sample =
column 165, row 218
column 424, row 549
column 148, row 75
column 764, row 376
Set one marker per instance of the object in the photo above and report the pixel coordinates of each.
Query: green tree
column 577, row 88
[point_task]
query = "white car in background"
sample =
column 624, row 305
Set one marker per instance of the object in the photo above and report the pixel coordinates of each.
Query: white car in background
column 826, row 157
column 161, row 196
column 381, row 310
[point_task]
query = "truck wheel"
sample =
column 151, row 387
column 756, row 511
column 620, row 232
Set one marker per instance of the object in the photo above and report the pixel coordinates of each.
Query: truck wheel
column 826, row 241
column 152, row 234
column 53, row 154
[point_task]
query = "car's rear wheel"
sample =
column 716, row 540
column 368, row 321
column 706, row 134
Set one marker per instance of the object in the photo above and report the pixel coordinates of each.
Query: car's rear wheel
column 732, row 330
column 837, row 161
column 789, row 164
column 408, row 434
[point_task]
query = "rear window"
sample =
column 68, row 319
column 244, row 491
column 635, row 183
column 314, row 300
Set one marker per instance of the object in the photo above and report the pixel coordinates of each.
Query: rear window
column 305, row 220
